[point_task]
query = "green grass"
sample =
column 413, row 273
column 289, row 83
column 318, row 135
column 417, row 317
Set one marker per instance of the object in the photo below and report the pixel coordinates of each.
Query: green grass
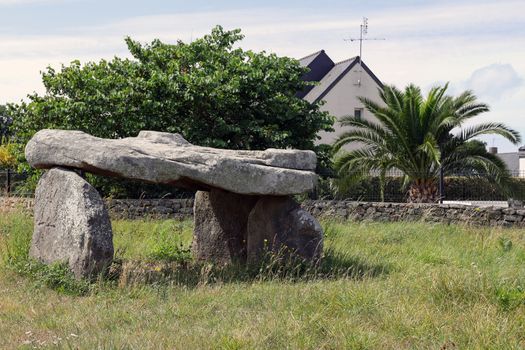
column 381, row 286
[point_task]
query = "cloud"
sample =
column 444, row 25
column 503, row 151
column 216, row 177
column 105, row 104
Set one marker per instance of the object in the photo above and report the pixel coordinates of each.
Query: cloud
column 425, row 43
column 503, row 89
column 494, row 81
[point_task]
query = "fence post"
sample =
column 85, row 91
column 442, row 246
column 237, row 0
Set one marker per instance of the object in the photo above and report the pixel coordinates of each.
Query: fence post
column 441, row 185
column 8, row 182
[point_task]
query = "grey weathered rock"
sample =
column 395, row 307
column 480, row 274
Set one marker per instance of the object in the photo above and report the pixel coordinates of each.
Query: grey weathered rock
column 168, row 158
column 280, row 225
column 221, row 220
column 71, row 224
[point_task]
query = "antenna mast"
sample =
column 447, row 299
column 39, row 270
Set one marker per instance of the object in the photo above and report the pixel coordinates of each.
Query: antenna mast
column 363, row 32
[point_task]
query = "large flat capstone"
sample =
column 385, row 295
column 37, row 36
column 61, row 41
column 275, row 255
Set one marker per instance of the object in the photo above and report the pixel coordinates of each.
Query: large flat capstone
column 71, row 224
column 167, row 158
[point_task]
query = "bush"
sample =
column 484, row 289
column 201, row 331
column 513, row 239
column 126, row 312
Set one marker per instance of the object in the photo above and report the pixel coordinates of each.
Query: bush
column 7, row 156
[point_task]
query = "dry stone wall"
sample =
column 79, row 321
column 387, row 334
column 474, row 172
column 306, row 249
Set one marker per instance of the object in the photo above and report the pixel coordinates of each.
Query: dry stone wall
column 439, row 213
column 16, row 203
column 158, row 208
column 121, row 208
column 357, row 211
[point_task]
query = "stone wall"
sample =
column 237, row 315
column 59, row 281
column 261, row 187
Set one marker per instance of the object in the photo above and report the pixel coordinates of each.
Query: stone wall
column 442, row 213
column 122, row 208
column 157, row 208
column 346, row 210
column 11, row 203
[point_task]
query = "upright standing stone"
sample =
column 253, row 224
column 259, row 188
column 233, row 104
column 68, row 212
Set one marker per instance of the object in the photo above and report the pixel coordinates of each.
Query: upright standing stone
column 221, row 220
column 278, row 224
column 71, row 224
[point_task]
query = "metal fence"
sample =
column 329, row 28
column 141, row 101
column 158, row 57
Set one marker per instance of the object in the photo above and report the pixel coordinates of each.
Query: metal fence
column 11, row 183
column 459, row 188
column 470, row 188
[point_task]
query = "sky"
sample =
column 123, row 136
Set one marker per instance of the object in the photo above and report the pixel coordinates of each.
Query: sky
column 477, row 45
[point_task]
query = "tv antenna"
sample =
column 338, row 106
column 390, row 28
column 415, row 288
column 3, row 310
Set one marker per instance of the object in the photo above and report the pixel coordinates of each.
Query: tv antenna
column 362, row 37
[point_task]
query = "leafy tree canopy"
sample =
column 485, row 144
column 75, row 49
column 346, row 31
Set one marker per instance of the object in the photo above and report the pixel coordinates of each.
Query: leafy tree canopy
column 5, row 123
column 210, row 91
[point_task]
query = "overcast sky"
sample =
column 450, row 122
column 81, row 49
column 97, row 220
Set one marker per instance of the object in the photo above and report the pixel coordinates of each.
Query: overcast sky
column 478, row 45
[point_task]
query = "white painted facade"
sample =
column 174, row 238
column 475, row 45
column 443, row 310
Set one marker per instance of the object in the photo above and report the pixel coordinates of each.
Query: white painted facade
column 343, row 99
column 339, row 86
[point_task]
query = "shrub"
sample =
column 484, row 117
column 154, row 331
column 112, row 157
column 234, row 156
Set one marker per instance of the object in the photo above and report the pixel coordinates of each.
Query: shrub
column 7, row 156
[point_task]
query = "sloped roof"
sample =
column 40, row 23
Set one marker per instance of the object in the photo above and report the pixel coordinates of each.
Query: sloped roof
column 319, row 64
column 330, row 79
column 306, row 60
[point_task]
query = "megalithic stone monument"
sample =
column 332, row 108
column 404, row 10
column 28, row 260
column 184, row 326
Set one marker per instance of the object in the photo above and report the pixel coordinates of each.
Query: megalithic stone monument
column 235, row 184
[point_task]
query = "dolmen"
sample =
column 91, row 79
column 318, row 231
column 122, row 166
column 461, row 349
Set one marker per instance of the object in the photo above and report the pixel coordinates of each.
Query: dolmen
column 243, row 207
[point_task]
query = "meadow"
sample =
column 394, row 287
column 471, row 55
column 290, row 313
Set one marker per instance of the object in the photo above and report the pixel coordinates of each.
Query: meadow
column 381, row 286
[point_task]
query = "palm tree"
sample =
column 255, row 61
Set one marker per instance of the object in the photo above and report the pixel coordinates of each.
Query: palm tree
column 413, row 134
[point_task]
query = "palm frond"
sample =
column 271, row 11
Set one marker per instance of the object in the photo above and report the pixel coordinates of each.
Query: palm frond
column 366, row 137
column 491, row 128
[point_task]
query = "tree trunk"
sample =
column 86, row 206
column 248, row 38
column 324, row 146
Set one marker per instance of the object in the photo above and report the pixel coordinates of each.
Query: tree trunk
column 423, row 191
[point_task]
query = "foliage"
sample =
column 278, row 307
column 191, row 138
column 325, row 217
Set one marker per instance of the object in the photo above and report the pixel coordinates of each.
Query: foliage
column 414, row 135
column 7, row 156
column 7, row 149
column 5, row 123
column 208, row 90
column 123, row 188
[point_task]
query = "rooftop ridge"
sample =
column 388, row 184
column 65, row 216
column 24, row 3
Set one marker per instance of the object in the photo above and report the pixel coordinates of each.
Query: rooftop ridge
column 310, row 55
column 347, row 60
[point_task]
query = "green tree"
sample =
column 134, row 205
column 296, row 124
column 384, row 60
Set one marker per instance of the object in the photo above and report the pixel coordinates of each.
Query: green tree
column 413, row 134
column 7, row 157
column 5, row 123
column 210, row 91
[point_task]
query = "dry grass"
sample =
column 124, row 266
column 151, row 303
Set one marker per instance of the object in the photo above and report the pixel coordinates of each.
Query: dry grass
column 422, row 286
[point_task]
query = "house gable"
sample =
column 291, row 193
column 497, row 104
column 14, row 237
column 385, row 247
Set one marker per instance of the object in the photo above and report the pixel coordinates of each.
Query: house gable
column 319, row 64
column 328, row 74
column 340, row 88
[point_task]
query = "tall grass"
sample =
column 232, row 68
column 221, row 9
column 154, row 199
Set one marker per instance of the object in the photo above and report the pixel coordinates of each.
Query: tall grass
column 15, row 239
column 380, row 286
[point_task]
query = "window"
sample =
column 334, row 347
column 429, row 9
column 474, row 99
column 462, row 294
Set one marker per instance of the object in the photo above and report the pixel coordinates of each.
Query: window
column 358, row 112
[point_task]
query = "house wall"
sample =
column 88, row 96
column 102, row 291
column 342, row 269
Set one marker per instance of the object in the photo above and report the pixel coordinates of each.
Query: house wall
column 343, row 99
column 522, row 167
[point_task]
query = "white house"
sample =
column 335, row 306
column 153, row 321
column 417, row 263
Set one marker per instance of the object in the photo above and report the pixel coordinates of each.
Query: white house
column 515, row 161
column 339, row 86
